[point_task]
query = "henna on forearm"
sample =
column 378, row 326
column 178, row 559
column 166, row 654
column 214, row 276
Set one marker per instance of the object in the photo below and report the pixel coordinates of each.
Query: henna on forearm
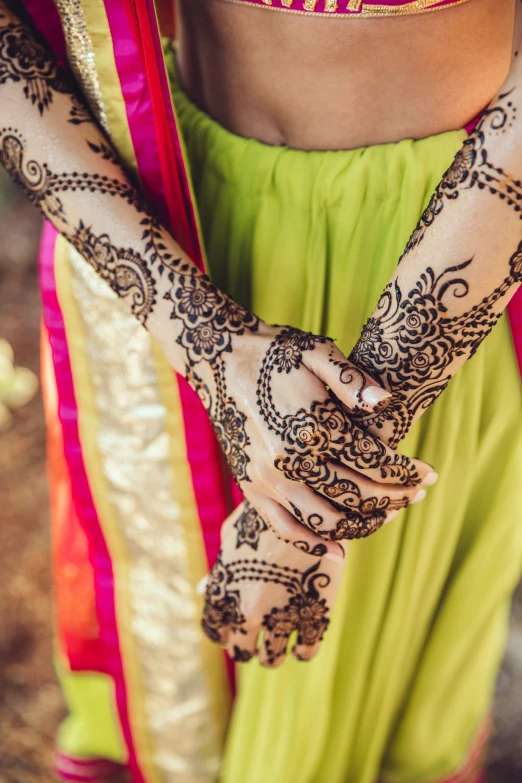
column 68, row 169
column 451, row 287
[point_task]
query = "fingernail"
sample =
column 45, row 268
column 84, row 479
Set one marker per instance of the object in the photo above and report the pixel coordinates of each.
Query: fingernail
column 421, row 494
column 430, row 479
column 392, row 515
column 373, row 395
column 202, row 585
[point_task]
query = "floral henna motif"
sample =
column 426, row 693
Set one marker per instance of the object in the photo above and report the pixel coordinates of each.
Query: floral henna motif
column 222, row 605
column 228, row 421
column 24, row 60
column 209, row 317
column 410, row 343
column 249, row 526
column 305, row 610
column 315, row 438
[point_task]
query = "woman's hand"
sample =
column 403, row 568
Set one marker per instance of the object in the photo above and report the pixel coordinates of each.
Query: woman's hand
column 271, row 395
column 284, row 436
column 270, row 583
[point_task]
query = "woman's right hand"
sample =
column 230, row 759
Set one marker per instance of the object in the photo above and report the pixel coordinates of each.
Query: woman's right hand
column 272, row 395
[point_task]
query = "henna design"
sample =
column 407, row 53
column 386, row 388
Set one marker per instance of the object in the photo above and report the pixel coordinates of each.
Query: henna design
column 209, row 317
column 314, row 438
column 249, row 526
column 305, row 611
column 471, row 168
column 348, row 374
column 256, row 525
column 124, row 270
column 226, row 418
column 222, row 605
column 410, row 343
column 241, row 656
column 24, row 60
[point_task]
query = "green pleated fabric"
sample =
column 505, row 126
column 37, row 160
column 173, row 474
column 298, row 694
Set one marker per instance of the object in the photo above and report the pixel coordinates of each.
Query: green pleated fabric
column 405, row 678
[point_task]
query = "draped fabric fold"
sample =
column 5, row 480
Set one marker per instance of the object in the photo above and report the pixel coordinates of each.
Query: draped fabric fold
column 135, row 648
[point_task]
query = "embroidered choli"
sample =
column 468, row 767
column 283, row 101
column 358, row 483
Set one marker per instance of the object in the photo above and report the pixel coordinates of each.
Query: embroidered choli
column 353, row 8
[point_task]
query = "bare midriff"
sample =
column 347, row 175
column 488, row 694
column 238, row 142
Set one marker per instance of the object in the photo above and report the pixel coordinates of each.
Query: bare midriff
column 336, row 83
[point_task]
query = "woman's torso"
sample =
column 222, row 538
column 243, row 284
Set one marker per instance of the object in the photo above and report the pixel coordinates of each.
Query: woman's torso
column 339, row 83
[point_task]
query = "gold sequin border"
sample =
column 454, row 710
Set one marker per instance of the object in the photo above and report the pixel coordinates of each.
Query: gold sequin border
column 367, row 11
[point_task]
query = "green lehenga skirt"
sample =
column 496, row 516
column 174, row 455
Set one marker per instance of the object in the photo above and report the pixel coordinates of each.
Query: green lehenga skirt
column 403, row 685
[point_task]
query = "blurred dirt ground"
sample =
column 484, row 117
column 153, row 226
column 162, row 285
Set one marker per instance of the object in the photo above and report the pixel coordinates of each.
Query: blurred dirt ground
column 30, row 700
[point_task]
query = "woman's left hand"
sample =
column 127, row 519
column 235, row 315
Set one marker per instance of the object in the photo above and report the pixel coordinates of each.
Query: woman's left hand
column 270, row 583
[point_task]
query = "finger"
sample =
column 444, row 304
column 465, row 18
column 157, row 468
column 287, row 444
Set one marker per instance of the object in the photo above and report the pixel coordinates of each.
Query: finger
column 272, row 651
column 353, row 386
column 242, row 647
column 305, row 652
column 363, row 452
column 216, row 633
column 346, row 489
column 352, row 515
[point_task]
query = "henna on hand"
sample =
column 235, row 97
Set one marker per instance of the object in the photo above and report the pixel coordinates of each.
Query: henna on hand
column 431, row 319
column 301, row 437
column 296, row 587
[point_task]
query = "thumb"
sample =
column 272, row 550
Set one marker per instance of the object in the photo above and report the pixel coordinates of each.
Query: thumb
column 354, row 387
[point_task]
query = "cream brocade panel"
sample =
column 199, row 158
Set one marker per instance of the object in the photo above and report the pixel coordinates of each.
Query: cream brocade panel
column 133, row 447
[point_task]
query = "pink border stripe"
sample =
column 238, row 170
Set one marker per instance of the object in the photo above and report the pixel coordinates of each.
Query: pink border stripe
column 202, row 449
column 47, row 20
column 81, row 492
column 173, row 126
column 87, row 770
column 205, row 460
column 514, row 307
column 515, row 319
column 138, row 106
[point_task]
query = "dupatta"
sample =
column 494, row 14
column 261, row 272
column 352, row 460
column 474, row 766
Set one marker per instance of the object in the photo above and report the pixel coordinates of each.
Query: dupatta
column 114, row 49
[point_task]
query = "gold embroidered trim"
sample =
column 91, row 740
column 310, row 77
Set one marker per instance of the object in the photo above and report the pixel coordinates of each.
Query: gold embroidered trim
column 81, row 56
column 367, row 10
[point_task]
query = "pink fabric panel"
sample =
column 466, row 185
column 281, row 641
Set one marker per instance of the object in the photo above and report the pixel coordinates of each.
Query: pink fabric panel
column 175, row 135
column 515, row 320
column 207, row 466
column 47, row 20
column 81, row 492
column 202, row 449
column 138, row 106
column 88, row 771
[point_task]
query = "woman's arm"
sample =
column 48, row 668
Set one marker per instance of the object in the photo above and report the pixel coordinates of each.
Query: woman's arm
column 284, row 438
column 461, row 266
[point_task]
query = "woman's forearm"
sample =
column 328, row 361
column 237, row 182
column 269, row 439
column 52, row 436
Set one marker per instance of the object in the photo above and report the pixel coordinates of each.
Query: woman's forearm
column 51, row 146
column 461, row 266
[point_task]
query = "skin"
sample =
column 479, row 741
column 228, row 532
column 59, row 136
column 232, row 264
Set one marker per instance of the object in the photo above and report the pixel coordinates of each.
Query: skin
column 287, row 438
column 53, row 149
column 315, row 83
column 454, row 280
